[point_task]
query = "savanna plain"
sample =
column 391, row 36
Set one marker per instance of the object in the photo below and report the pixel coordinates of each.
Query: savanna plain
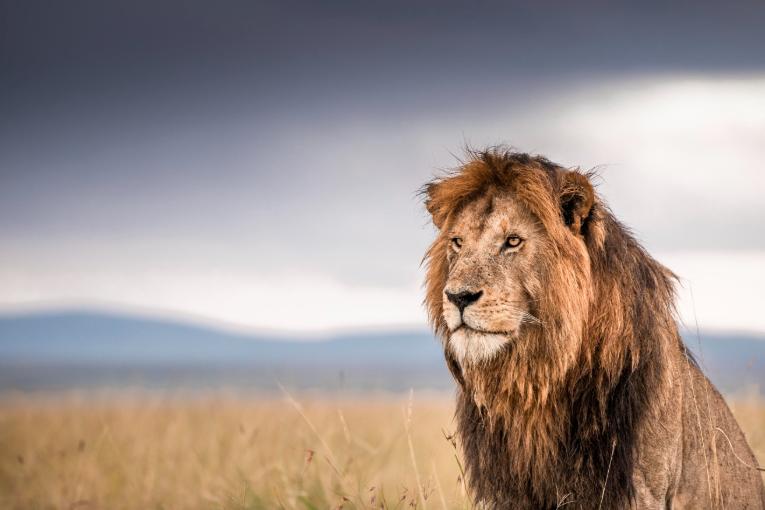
column 229, row 451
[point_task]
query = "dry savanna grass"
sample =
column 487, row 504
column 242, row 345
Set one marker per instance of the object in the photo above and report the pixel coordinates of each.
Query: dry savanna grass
column 226, row 452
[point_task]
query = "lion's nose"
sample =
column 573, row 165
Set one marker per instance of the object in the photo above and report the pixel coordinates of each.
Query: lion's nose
column 463, row 299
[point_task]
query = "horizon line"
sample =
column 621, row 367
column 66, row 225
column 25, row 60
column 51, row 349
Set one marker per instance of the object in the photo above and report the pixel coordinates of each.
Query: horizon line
column 319, row 334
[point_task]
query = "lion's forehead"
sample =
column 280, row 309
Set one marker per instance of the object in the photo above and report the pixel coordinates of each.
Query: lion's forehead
column 491, row 217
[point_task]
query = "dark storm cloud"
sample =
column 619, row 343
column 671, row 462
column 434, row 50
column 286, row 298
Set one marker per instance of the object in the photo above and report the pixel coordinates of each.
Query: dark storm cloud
column 286, row 55
column 76, row 74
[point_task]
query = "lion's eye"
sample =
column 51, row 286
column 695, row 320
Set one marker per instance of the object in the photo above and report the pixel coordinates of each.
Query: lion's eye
column 513, row 241
column 456, row 243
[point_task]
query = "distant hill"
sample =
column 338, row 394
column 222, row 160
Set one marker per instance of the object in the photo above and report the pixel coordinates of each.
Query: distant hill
column 96, row 350
column 106, row 338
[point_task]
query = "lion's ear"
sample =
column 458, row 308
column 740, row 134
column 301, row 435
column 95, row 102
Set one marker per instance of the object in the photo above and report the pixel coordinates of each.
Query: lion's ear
column 435, row 204
column 576, row 200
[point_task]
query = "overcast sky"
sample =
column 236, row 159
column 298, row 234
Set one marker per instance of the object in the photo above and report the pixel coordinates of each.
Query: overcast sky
column 256, row 165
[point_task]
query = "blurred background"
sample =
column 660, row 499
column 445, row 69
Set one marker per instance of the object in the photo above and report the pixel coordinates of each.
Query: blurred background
column 202, row 196
column 181, row 178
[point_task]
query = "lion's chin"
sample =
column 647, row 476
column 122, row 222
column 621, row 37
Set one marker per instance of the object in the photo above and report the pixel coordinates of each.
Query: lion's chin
column 470, row 346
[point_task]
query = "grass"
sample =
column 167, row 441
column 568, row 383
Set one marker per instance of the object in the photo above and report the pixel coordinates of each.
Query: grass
column 227, row 452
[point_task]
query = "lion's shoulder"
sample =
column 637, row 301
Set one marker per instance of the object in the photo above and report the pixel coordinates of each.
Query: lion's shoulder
column 718, row 466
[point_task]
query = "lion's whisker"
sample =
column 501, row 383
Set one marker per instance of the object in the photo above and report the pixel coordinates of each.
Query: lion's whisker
column 527, row 317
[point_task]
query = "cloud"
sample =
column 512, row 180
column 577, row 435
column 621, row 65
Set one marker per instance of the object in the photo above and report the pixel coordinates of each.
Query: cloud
column 319, row 213
column 720, row 290
column 242, row 301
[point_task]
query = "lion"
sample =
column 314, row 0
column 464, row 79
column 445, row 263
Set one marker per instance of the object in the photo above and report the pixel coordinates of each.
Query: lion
column 574, row 388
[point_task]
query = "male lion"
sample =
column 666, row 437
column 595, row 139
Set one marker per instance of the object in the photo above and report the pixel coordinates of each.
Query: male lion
column 574, row 387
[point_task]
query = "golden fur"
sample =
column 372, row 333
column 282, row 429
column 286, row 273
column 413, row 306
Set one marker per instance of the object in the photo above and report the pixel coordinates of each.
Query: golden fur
column 570, row 363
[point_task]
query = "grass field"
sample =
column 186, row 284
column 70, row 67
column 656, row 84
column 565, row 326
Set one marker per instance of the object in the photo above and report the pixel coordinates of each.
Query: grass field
column 225, row 452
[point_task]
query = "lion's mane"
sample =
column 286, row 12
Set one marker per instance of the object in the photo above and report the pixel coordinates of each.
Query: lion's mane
column 542, row 416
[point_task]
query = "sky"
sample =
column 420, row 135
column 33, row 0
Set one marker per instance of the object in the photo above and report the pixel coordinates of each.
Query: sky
column 255, row 165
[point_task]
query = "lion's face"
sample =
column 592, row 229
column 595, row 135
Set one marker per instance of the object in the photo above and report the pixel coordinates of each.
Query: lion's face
column 494, row 258
column 509, row 275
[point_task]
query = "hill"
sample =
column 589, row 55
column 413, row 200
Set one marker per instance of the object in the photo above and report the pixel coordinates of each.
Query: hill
column 97, row 350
